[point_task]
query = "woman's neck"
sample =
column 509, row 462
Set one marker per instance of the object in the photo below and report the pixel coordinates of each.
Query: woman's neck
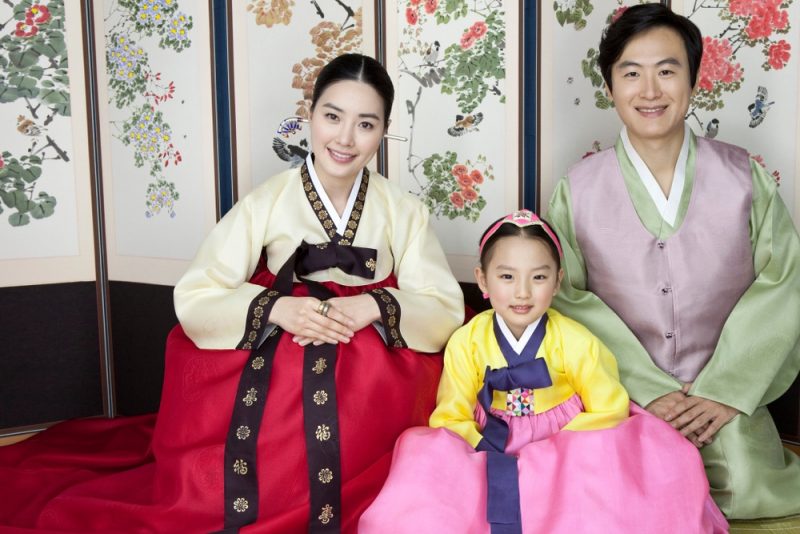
column 338, row 191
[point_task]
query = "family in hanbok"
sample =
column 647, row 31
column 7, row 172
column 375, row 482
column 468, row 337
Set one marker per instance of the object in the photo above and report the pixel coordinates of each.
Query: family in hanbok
column 322, row 378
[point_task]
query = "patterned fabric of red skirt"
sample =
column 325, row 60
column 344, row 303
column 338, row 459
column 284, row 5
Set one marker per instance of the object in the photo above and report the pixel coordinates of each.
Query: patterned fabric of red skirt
column 165, row 473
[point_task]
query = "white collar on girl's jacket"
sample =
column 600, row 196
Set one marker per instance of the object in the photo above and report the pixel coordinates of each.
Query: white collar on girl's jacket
column 517, row 344
column 340, row 222
column 667, row 207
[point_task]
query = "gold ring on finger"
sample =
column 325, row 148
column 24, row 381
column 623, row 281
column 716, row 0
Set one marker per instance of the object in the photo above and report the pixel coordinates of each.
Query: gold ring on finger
column 326, row 307
column 320, row 307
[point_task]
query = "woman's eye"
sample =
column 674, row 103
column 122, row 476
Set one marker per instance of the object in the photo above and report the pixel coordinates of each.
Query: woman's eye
column 331, row 116
column 367, row 125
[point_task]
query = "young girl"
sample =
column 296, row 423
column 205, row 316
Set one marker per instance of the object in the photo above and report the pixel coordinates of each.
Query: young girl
column 515, row 376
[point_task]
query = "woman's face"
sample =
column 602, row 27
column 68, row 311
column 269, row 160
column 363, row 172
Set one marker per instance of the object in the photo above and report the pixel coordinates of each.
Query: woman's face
column 347, row 126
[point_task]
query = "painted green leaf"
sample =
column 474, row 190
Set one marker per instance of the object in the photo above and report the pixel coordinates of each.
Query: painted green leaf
column 25, row 59
column 8, row 198
column 31, row 174
column 18, row 219
column 21, row 201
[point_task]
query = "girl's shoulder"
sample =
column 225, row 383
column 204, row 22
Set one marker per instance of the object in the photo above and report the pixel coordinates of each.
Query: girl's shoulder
column 566, row 327
column 478, row 327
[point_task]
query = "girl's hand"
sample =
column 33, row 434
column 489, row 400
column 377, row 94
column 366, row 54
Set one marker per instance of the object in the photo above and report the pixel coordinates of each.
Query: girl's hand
column 299, row 316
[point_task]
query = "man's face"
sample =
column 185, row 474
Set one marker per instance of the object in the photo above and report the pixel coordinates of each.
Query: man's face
column 651, row 88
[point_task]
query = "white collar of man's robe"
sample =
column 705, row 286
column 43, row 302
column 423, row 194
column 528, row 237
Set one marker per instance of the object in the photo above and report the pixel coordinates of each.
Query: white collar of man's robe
column 667, row 206
column 339, row 221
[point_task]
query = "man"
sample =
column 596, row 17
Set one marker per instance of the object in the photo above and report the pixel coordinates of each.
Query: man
column 682, row 258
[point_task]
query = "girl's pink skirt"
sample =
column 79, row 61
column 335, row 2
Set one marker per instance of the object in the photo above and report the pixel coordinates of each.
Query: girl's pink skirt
column 639, row 477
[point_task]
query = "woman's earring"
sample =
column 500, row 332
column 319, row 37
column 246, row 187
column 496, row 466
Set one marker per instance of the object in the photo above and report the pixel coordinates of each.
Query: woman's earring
column 485, row 295
column 291, row 125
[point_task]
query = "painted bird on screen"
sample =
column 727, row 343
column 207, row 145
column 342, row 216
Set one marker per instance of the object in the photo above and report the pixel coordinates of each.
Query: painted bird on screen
column 26, row 126
column 294, row 154
column 758, row 109
column 465, row 124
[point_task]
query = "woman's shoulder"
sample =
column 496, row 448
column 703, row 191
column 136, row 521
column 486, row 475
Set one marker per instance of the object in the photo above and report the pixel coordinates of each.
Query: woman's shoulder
column 274, row 186
column 394, row 194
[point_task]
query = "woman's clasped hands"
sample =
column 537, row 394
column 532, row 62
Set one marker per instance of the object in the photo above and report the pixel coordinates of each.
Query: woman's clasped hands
column 334, row 320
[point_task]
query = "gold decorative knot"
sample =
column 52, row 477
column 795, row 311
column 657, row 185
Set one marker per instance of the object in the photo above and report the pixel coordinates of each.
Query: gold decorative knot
column 348, row 234
column 370, row 264
column 256, row 323
column 319, row 366
column 325, row 475
column 243, row 432
column 251, row 397
column 240, row 504
column 251, row 336
column 345, row 242
column 391, row 309
column 263, row 300
column 326, row 515
column 323, row 432
column 240, row 467
column 258, row 363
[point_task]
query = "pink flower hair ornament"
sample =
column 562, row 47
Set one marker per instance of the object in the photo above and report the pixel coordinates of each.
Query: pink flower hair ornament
column 522, row 218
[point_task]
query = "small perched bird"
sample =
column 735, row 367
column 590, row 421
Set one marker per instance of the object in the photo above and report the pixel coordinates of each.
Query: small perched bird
column 26, row 126
column 712, row 128
column 432, row 54
column 294, row 154
column 465, row 124
column 758, row 109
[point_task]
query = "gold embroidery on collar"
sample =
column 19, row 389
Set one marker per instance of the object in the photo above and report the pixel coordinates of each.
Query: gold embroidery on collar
column 323, row 215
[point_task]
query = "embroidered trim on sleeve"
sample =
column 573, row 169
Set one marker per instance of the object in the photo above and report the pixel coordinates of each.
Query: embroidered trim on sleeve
column 390, row 315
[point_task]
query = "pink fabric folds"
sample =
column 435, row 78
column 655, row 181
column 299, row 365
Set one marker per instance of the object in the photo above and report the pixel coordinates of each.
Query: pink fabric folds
column 641, row 476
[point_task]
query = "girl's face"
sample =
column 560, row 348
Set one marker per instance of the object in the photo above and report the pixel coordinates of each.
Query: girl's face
column 347, row 126
column 521, row 279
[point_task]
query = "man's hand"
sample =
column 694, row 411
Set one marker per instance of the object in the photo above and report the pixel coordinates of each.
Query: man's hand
column 699, row 419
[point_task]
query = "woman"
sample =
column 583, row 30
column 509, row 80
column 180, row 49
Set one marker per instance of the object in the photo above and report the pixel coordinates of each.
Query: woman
column 295, row 366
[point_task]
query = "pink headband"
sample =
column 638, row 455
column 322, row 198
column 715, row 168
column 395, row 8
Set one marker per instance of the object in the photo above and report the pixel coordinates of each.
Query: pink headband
column 522, row 218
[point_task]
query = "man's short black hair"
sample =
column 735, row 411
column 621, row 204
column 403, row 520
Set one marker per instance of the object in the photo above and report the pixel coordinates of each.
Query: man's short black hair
column 642, row 18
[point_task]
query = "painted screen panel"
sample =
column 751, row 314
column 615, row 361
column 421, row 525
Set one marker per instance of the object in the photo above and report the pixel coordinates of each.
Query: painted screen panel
column 456, row 68
column 45, row 202
column 156, row 112
column 278, row 49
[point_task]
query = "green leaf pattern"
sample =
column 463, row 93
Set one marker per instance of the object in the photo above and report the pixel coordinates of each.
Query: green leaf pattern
column 33, row 71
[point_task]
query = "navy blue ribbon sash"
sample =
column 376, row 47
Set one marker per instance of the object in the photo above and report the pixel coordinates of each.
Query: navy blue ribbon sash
column 320, row 413
column 524, row 370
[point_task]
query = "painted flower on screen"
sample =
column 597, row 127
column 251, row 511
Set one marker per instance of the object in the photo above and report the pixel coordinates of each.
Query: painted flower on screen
column 717, row 66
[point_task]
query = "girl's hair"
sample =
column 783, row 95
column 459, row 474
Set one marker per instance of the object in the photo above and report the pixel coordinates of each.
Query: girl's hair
column 642, row 18
column 534, row 231
column 359, row 68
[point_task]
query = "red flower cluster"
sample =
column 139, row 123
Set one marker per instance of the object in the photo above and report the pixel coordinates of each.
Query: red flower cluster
column 716, row 65
column 466, row 180
column 779, row 54
column 412, row 17
column 34, row 15
column 2, row 163
column 475, row 32
column 765, row 16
